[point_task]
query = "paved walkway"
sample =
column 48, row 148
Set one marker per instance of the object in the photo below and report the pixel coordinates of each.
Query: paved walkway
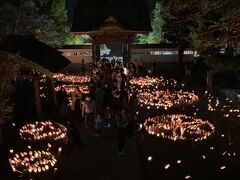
column 98, row 160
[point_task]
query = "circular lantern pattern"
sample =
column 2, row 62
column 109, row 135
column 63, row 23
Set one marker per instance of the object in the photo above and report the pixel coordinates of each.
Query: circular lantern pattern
column 45, row 130
column 179, row 127
column 71, row 88
column 146, row 81
column 32, row 162
column 143, row 82
column 166, row 99
column 72, row 78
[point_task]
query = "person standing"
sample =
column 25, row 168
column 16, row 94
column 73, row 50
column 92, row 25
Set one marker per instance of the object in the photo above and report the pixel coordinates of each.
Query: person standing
column 113, row 63
column 107, row 117
column 107, row 96
column 98, row 125
column 140, row 67
column 154, row 67
column 62, row 100
column 76, row 100
column 119, row 79
column 117, row 105
column 89, row 111
column 99, row 100
column 121, row 129
column 136, row 63
column 133, row 102
column 83, row 67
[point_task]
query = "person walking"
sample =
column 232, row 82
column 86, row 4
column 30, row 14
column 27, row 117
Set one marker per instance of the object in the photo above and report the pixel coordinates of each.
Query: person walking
column 62, row 101
column 121, row 129
column 98, row 125
column 89, row 111
column 154, row 67
column 99, row 100
column 76, row 100
column 83, row 67
column 107, row 117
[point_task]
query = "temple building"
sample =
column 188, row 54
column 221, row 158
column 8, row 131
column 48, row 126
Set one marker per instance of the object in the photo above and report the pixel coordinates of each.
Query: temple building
column 111, row 21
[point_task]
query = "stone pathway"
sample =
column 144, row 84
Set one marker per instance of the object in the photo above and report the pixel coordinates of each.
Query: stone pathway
column 98, row 160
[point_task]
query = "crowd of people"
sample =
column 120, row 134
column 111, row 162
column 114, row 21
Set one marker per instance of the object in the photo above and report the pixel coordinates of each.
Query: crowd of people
column 109, row 103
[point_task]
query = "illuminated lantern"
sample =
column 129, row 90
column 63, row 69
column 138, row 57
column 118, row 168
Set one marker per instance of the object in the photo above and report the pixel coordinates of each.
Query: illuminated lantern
column 179, row 127
column 45, row 130
column 38, row 162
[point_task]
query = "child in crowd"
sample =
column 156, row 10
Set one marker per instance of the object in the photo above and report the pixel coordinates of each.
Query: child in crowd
column 98, row 124
column 108, row 117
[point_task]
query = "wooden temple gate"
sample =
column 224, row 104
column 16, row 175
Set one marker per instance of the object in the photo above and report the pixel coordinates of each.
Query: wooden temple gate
column 111, row 32
column 115, row 21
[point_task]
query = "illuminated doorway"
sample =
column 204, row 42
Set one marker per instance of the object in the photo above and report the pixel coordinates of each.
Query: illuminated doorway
column 112, row 51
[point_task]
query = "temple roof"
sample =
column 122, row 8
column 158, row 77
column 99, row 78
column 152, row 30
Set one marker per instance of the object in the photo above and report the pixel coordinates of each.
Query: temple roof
column 38, row 52
column 132, row 15
column 23, row 62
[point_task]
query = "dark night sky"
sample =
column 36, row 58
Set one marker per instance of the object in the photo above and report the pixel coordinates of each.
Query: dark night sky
column 70, row 4
column 115, row 48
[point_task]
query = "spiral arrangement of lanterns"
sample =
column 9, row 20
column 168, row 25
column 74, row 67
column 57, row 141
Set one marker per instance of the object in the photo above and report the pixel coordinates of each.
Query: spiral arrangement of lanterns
column 45, row 130
column 166, row 99
column 71, row 88
column 143, row 82
column 179, row 127
column 146, row 81
column 32, row 162
column 72, row 79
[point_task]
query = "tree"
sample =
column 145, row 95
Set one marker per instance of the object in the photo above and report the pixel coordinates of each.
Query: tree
column 149, row 38
column 218, row 26
column 45, row 19
column 157, row 22
column 56, row 10
column 77, row 39
column 205, row 25
column 216, row 34
column 25, row 20
column 178, row 24
column 104, row 50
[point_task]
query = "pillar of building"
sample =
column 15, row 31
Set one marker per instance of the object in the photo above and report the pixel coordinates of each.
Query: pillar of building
column 128, row 57
column 126, row 52
column 95, row 52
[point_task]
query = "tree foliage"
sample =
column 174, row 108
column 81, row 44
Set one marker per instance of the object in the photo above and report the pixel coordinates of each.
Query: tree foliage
column 25, row 20
column 206, row 25
column 157, row 22
column 56, row 10
column 104, row 50
column 149, row 38
column 178, row 26
column 218, row 25
column 45, row 19
column 223, row 63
